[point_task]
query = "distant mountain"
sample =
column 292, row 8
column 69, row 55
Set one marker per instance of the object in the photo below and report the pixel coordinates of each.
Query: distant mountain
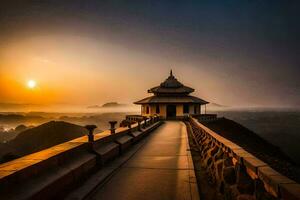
column 112, row 104
column 18, row 118
column 42, row 137
column 217, row 105
column 94, row 106
column 108, row 105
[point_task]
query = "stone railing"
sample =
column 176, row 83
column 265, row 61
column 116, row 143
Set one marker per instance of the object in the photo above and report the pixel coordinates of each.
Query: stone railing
column 134, row 117
column 140, row 118
column 235, row 173
column 205, row 117
column 51, row 173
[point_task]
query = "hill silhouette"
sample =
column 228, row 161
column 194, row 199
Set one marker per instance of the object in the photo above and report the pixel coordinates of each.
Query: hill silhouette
column 42, row 137
column 108, row 105
column 112, row 104
column 19, row 118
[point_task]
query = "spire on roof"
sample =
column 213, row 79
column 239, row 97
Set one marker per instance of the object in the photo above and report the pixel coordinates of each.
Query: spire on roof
column 171, row 85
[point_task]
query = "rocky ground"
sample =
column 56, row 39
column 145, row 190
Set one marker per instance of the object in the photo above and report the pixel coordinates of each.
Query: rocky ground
column 256, row 145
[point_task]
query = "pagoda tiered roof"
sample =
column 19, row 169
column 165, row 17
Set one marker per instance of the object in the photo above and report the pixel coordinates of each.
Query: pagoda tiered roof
column 171, row 86
column 171, row 91
column 171, row 99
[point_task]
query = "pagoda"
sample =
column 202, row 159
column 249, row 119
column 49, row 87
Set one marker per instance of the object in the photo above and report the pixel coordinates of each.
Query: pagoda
column 171, row 100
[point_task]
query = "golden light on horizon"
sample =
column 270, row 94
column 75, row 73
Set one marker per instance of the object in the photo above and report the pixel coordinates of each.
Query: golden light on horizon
column 31, row 84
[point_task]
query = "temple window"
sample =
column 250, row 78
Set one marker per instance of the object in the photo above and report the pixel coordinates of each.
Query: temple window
column 147, row 110
column 186, row 108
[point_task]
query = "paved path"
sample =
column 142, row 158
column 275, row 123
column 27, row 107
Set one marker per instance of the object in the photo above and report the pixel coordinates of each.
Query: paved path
column 161, row 169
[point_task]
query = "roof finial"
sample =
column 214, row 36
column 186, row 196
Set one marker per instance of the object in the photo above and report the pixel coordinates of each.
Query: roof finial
column 171, row 73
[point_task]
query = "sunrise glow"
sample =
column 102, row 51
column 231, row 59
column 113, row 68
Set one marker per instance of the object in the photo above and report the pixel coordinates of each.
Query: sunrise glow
column 31, row 84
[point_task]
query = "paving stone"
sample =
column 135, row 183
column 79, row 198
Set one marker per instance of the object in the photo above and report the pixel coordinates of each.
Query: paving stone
column 161, row 169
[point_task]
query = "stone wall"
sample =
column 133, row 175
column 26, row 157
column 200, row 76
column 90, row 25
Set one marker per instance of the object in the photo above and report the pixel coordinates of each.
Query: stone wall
column 205, row 117
column 235, row 173
column 50, row 173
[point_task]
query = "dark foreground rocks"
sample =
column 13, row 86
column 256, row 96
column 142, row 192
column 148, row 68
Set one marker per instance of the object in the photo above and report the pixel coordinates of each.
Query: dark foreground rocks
column 256, row 145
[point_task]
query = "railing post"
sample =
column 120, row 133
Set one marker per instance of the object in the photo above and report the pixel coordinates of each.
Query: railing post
column 139, row 125
column 129, row 126
column 145, row 122
column 151, row 120
column 91, row 129
column 112, row 126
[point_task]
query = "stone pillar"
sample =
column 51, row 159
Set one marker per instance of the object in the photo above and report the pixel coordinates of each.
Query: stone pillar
column 129, row 126
column 112, row 126
column 91, row 129
column 145, row 122
column 139, row 125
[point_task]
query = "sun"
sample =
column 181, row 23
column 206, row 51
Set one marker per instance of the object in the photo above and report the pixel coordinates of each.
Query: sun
column 31, row 84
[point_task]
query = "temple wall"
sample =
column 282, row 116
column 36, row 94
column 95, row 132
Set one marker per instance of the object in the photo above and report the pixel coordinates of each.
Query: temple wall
column 235, row 173
column 152, row 110
column 179, row 110
column 163, row 110
column 191, row 109
column 143, row 109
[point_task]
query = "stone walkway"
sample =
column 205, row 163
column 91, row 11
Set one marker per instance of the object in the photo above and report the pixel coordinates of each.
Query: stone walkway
column 161, row 169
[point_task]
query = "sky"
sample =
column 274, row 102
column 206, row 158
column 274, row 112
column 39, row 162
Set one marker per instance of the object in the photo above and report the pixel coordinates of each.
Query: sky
column 87, row 52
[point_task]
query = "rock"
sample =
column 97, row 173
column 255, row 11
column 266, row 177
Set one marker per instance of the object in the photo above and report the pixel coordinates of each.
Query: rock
column 245, row 197
column 229, row 175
